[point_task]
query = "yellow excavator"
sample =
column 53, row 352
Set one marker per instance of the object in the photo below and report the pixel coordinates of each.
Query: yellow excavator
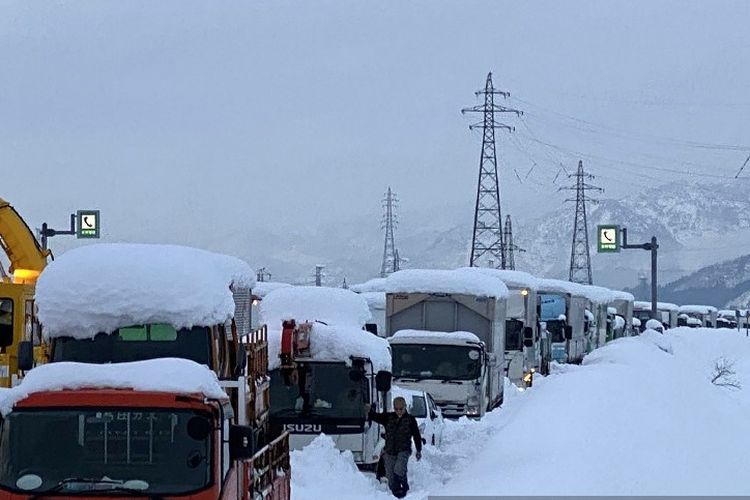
column 17, row 313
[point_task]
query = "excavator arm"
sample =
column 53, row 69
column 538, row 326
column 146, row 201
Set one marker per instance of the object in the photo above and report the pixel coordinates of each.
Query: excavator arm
column 27, row 258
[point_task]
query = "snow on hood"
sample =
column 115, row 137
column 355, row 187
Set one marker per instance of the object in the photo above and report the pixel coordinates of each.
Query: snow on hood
column 263, row 288
column 374, row 285
column 100, row 288
column 343, row 311
column 172, row 375
column 460, row 281
column 512, row 279
column 430, row 335
column 654, row 324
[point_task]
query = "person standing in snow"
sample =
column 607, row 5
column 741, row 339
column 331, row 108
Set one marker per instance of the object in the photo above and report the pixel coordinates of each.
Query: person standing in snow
column 400, row 429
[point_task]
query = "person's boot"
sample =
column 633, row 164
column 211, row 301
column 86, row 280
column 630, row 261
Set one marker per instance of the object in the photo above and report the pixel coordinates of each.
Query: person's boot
column 399, row 491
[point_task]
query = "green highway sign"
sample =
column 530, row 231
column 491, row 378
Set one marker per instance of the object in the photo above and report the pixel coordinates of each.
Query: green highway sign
column 88, row 224
column 607, row 238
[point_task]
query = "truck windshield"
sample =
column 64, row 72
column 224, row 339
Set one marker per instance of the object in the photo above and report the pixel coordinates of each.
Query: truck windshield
column 553, row 305
column 80, row 451
column 329, row 390
column 436, row 361
column 513, row 335
column 137, row 343
column 556, row 328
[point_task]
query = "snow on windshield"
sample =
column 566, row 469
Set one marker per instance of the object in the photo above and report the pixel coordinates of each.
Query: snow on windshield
column 172, row 375
column 99, row 288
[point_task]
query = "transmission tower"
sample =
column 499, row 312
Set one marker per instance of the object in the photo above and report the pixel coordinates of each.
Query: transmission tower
column 510, row 247
column 262, row 275
column 319, row 275
column 487, row 239
column 390, row 221
column 580, row 259
column 345, row 285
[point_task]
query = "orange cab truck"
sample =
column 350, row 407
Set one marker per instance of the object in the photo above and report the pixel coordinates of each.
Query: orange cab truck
column 121, row 303
column 151, row 429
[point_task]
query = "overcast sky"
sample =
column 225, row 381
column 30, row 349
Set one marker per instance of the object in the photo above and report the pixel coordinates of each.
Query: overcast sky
column 177, row 118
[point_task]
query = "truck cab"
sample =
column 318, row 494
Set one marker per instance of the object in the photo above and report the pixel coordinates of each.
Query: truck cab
column 443, row 304
column 126, row 431
column 451, row 366
column 326, row 369
column 562, row 308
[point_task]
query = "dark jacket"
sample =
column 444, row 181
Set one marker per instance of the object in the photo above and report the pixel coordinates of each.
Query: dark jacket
column 399, row 431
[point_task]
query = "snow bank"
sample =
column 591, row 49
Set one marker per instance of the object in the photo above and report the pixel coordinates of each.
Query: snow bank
column 99, row 288
column 263, row 288
column 320, row 471
column 512, row 279
column 374, row 285
column 427, row 335
column 343, row 311
column 172, row 375
column 649, row 398
column 461, row 281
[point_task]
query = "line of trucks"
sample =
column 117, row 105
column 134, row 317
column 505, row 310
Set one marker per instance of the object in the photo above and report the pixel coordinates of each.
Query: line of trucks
column 317, row 355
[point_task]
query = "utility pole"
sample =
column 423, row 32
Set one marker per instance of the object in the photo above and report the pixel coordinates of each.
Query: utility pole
column 487, row 238
column 580, row 259
column 390, row 221
column 262, row 275
column 319, row 275
column 510, row 247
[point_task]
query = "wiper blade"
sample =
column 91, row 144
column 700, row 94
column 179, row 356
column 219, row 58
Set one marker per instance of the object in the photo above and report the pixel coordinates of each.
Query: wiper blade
column 109, row 486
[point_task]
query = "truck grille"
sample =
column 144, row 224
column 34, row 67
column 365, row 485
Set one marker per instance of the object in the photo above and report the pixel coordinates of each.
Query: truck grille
column 452, row 410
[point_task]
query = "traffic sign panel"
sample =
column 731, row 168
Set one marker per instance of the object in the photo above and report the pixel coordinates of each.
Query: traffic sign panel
column 608, row 238
column 88, row 224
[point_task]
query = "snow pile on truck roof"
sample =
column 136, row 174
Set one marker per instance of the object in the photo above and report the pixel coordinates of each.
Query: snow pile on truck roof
column 459, row 281
column 335, row 306
column 100, row 288
column 373, row 285
column 263, row 288
column 171, row 375
column 512, row 279
column 430, row 335
column 547, row 285
column 598, row 294
column 697, row 309
column 375, row 300
column 344, row 314
column 620, row 295
column 642, row 305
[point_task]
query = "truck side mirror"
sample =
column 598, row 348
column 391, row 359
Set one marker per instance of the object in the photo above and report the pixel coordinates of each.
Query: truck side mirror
column 25, row 355
column 491, row 359
column 383, row 381
column 372, row 328
column 241, row 365
column 528, row 336
column 241, row 442
column 568, row 332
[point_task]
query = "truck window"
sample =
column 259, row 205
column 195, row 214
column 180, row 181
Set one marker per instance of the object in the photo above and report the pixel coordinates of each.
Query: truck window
column 418, row 407
column 436, row 361
column 138, row 343
column 513, row 335
column 6, row 322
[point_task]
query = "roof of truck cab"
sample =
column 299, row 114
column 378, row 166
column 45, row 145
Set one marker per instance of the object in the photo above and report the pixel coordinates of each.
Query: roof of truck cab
column 103, row 287
column 560, row 286
column 373, row 285
column 664, row 306
column 459, row 281
column 697, row 309
column 166, row 375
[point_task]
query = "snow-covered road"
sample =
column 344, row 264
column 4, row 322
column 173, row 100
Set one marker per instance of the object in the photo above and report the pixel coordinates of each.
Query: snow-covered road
column 639, row 417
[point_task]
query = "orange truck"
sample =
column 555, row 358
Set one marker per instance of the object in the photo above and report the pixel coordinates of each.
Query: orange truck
column 99, row 431
column 115, row 305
